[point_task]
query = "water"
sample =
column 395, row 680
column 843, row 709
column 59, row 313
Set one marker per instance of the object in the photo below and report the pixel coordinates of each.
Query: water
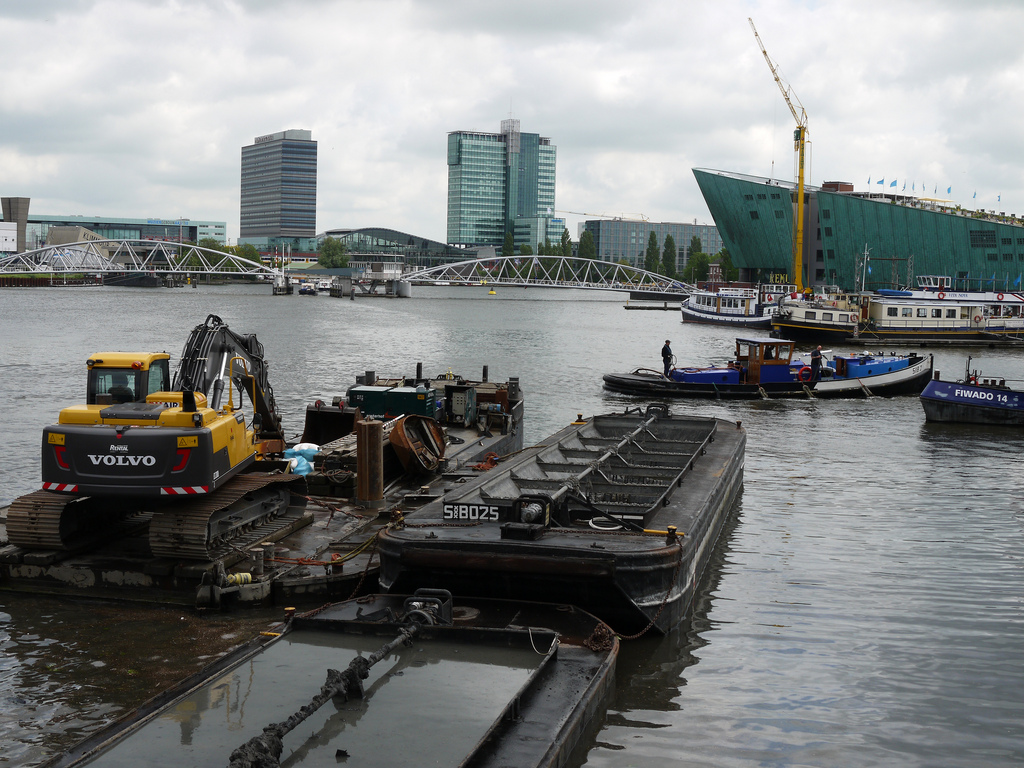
column 864, row 608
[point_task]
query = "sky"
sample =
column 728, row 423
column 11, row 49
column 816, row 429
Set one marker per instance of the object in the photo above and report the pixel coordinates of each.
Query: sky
column 139, row 108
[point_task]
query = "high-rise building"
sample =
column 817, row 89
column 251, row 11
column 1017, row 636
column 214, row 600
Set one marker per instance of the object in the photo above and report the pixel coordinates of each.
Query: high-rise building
column 498, row 183
column 278, row 187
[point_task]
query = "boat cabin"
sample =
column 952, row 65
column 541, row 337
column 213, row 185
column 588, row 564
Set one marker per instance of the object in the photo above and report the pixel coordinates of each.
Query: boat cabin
column 763, row 360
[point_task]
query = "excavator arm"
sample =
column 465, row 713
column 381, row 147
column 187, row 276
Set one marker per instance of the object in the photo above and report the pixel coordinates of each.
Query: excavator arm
column 215, row 357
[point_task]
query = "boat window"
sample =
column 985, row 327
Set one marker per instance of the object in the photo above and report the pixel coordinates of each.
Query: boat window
column 810, row 314
column 891, row 311
column 936, row 313
column 951, row 313
column 922, row 312
column 965, row 312
column 907, row 312
column 826, row 315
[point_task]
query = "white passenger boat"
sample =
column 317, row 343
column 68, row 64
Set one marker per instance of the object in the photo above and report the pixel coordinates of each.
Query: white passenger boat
column 737, row 306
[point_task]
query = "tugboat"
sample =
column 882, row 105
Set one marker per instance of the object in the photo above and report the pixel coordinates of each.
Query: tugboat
column 767, row 368
column 974, row 399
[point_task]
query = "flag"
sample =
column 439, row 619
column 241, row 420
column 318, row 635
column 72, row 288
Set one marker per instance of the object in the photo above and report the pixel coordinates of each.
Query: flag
column 904, row 187
column 999, row 198
column 869, row 179
column 1017, row 281
column 993, row 278
column 892, row 183
column 949, row 190
column 975, row 194
column 881, row 181
column 913, row 187
column 869, row 269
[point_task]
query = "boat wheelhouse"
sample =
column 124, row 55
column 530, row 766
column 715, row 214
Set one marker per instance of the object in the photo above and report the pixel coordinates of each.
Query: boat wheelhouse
column 738, row 306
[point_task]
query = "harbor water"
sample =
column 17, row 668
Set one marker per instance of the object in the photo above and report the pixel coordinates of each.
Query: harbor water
column 865, row 605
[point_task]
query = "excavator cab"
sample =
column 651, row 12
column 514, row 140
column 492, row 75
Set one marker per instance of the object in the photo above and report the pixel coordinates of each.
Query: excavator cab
column 126, row 377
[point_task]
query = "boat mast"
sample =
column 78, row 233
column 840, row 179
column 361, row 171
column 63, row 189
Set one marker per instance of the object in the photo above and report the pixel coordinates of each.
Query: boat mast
column 800, row 146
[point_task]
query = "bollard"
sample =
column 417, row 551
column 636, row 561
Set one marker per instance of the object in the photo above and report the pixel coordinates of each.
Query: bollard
column 484, row 379
column 256, row 558
column 370, row 463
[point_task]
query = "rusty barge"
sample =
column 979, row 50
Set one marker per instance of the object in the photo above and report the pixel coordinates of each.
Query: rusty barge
column 617, row 514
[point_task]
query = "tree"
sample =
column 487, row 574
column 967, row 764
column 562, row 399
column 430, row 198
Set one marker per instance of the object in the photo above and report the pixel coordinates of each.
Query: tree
column 652, row 259
column 729, row 273
column 566, row 244
column 525, row 250
column 333, row 253
column 668, row 257
column 509, row 246
column 213, row 244
column 248, row 251
column 695, row 246
column 587, row 249
column 697, row 267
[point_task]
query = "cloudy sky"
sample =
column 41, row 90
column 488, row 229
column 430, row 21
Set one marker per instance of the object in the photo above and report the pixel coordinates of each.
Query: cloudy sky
column 139, row 108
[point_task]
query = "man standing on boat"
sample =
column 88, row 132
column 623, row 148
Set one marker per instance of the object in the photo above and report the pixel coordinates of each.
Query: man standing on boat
column 816, row 364
column 666, row 357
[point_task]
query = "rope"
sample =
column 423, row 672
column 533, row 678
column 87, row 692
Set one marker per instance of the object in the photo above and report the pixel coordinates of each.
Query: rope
column 664, row 600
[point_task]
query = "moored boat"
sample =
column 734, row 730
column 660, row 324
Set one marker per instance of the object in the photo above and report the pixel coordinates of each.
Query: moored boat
column 617, row 514
column 428, row 679
column 766, row 368
column 975, row 399
column 737, row 306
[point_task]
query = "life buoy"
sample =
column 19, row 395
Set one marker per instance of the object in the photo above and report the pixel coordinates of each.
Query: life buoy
column 977, row 318
column 973, row 380
column 942, row 295
column 999, row 296
column 804, row 374
column 769, row 298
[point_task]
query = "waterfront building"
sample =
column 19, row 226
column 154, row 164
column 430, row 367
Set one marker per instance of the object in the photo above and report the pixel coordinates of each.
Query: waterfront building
column 392, row 245
column 625, row 240
column 278, row 191
column 498, row 183
column 905, row 235
column 38, row 229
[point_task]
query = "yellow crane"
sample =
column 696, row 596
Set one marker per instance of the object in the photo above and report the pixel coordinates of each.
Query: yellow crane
column 800, row 145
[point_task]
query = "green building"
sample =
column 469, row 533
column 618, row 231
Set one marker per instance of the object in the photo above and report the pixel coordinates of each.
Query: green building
column 904, row 235
column 498, row 183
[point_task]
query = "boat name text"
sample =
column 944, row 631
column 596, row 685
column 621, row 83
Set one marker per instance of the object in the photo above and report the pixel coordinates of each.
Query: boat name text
column 470, row 512
column 971, row 394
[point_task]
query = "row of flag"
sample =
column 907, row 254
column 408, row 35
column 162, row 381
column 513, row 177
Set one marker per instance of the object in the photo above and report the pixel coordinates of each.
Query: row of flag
column 924, row 189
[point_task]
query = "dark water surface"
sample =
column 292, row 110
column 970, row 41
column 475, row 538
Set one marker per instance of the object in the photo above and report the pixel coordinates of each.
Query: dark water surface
column 865, row 606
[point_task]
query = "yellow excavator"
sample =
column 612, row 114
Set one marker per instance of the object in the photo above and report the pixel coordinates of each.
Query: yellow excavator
column 176, row 452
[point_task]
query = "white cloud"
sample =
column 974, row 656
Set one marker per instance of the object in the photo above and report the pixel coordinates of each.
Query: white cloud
column 140, row 108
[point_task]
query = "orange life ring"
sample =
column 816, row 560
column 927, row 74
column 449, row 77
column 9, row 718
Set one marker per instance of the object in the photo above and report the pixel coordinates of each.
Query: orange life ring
column 769, row 298
column 999, row 297
column 804, row 374
column 977, row 318
column 942, row 295
column 973, row 380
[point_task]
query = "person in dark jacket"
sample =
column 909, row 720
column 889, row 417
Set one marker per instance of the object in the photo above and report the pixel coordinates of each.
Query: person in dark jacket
column 816, row 364
column 666, row 357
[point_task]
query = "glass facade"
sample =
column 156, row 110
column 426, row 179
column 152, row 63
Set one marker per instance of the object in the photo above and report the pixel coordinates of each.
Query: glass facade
column 278, row 190
column 414, row 251
column 625, row 240
column 188, row 230
column 494, row 181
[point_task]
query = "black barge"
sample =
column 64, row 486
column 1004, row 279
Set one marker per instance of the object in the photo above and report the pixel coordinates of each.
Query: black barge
column 616, row 514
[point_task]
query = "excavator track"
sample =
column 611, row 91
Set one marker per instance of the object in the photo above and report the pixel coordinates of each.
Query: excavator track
column 195, row 531
column 54, row 521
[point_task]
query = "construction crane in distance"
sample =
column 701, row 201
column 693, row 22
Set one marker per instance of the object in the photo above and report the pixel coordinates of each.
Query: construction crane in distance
column 800, row 145
column 613, row 216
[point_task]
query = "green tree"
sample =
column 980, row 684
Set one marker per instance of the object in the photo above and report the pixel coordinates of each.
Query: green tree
column 729, row 273
column 566, row 248
column 695, row 246
column 248, row 251
column 525, row 250
column 697, row 267
column 652, row 259
column 213, row 244
column 333, row 253
column 587, row 249
column 668, row 257
column 509, row 246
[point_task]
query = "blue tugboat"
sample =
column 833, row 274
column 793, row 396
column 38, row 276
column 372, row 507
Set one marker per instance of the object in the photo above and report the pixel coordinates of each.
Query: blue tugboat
column 766, row 368
column 975, row 399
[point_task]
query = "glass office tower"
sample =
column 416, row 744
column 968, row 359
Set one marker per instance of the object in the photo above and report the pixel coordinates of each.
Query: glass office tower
column 279, row 186
column 497, row 181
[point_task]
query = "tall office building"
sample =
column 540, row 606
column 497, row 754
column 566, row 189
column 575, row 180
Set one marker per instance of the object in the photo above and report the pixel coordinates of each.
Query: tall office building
column 498, row 183
column 278, row 187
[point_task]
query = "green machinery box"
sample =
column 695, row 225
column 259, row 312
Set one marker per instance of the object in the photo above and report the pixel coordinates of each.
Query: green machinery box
column 389, row 402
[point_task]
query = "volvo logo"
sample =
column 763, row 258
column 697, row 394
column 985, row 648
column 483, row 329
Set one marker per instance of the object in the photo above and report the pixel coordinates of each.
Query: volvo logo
column 122, row 461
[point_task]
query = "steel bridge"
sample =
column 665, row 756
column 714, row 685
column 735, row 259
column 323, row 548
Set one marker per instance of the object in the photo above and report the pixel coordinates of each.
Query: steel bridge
column 118, row 256
column 553, row 272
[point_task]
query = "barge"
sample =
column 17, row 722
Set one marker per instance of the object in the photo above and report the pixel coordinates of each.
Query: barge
column 320, row 545
column 478, row 683
column 974, row 399
column 617, row 514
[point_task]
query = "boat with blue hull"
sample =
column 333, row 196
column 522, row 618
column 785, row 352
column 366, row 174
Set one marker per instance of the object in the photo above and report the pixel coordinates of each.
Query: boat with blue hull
column 975, row 399
column 766, row 368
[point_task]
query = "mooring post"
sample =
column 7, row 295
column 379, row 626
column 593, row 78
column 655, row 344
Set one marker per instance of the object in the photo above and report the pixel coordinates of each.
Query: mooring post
column 370, row 463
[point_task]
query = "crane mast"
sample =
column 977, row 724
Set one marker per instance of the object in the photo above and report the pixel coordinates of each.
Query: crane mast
column 800, row 146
